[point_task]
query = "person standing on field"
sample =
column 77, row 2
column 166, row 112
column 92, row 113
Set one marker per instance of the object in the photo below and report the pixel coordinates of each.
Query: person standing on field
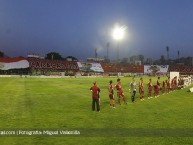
column 141, row 89
column 120, row 92
column 111, row 94
column 175, row 83
column 164, row 87
column 172, row 84
column 155, row 88
column 150, row 88
column 95, row 96
column 133, row 90
column 168, row 85
column 158, row 85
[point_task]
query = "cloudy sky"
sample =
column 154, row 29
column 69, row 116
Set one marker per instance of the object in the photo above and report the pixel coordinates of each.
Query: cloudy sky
column 77, row 27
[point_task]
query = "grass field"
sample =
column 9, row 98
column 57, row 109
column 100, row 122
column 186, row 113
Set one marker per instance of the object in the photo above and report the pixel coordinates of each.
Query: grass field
column 65, row 104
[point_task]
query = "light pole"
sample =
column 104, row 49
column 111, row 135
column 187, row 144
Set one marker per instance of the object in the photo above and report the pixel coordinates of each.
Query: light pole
column 118, row 34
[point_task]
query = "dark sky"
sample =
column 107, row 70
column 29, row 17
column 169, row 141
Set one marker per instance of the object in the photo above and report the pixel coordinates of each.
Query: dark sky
column 77, row 27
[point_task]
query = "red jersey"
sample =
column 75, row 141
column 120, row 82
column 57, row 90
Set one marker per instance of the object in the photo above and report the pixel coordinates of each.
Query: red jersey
column 175, row 82
column 110, row 88
column 164, row 84
column 95, row 92
column 119, row 88
column 172, row 83
column 141, row 87
column 111, row 91
column 158, row 83
column 150, row 86
column 168, row 84
column 155, row 87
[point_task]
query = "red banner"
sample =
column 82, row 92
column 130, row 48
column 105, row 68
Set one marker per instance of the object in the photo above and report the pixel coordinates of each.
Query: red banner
column 182, row 69
column 125, row 68
column 13, row 63
column 42, row 64
column 136, row 68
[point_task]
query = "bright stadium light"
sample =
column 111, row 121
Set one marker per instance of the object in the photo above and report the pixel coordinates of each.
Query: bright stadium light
column 118, row 34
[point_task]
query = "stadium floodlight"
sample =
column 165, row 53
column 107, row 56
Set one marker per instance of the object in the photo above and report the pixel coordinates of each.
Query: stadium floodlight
column 118, row 34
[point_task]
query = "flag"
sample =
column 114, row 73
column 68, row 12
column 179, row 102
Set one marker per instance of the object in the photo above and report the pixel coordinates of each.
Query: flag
column 13, row 63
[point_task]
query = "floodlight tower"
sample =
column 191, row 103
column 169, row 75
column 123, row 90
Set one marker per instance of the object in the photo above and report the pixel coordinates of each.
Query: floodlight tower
column 118, row 34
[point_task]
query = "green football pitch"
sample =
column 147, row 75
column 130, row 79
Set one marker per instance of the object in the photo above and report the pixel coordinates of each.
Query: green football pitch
column 54, row 105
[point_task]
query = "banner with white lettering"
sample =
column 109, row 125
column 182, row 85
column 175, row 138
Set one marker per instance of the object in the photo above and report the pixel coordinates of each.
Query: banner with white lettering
column 42, row 64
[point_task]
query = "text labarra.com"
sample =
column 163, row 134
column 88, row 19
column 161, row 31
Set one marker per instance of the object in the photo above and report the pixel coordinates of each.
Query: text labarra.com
column 38, row 132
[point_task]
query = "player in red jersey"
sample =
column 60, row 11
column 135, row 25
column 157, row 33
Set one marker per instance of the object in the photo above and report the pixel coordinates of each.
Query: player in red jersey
column 175, row 83
column 120, row 92
column 141, row 89
column 168, row 86
column 155, row 88
column 163, row 87
column 172, row 84
column 150, row 88
column 158, row 85
column 95, row 97
column 111, row 94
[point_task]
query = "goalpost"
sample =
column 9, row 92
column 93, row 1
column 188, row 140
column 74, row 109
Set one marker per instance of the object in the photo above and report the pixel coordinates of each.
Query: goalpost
column 174, row 74
column 185, row 78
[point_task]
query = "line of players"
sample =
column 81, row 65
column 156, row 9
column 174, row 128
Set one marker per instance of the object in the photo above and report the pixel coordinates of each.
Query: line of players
column 166, row 87
column 157, row 89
